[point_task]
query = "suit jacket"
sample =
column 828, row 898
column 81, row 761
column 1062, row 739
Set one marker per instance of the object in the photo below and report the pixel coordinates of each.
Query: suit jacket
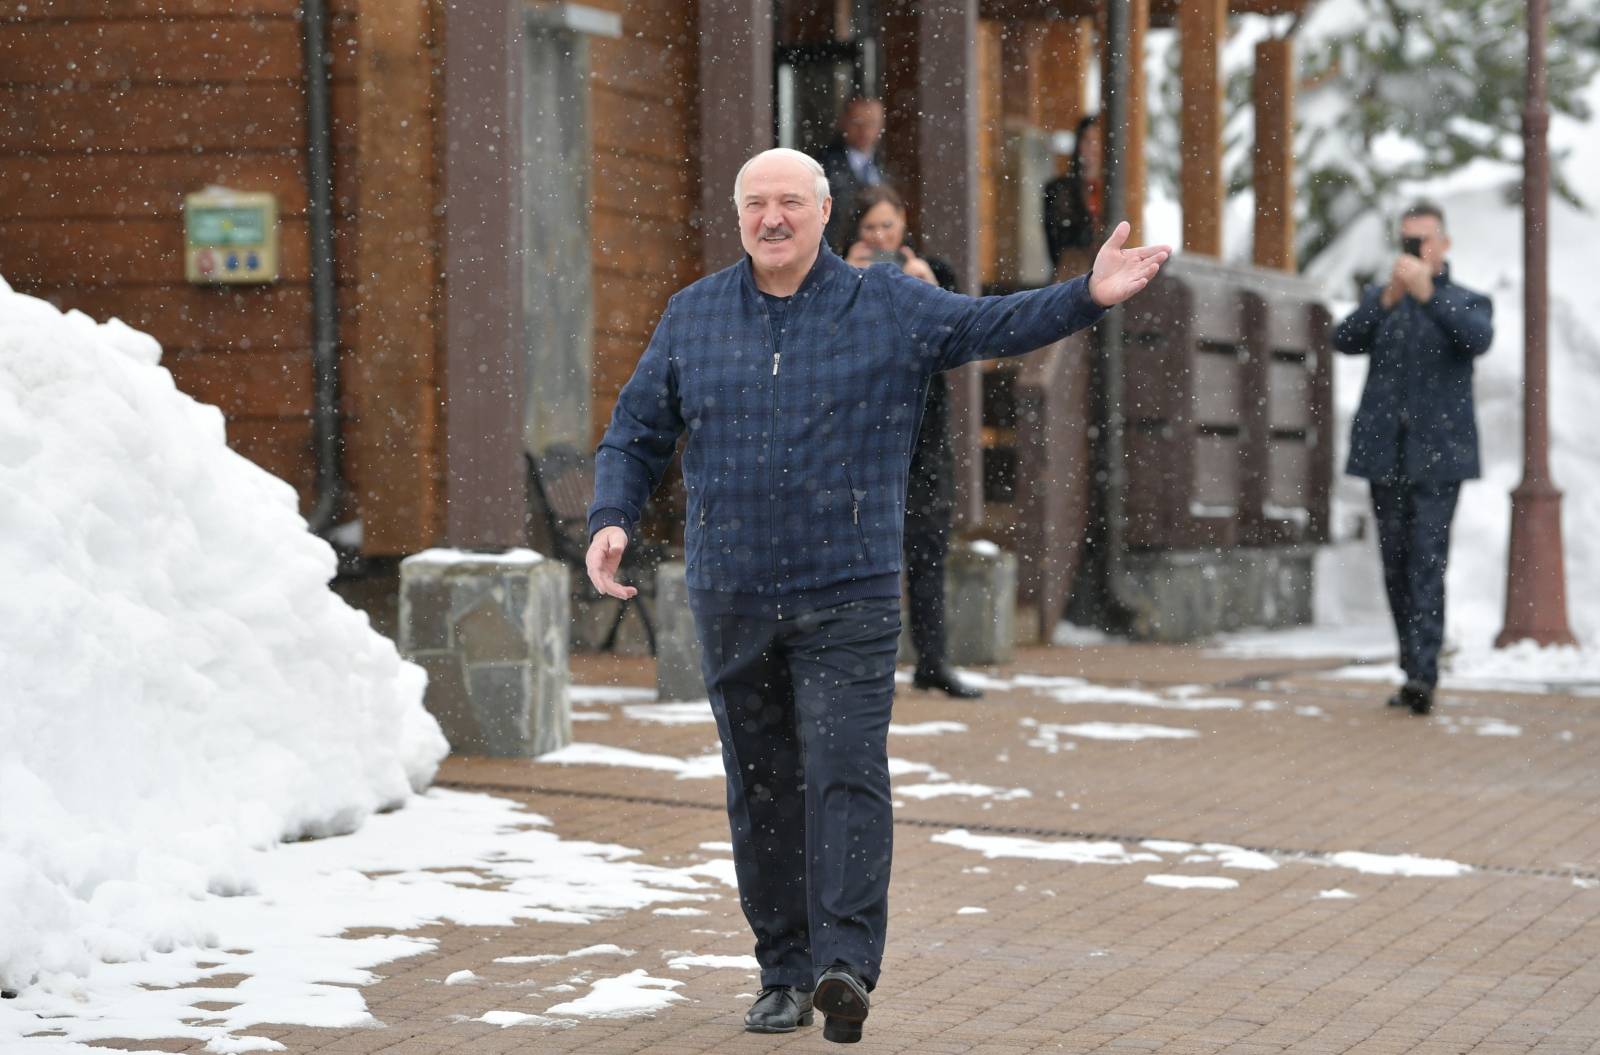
column 843, row 185
column 1416, row 419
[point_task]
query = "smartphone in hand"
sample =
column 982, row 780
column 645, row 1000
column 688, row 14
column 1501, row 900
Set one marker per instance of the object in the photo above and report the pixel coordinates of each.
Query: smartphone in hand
column 1411, row 247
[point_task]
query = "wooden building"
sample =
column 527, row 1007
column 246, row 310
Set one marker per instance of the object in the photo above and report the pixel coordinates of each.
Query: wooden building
column 519, row 185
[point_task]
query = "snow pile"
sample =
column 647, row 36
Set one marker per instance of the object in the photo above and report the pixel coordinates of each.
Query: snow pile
column 177, row 683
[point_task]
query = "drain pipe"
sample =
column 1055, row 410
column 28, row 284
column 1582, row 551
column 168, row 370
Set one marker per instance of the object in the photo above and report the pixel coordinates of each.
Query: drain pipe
column 326, row 435
column 1124, row 610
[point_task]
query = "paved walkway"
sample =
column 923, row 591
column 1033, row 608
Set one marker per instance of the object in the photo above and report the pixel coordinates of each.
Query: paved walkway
column 1257, row 755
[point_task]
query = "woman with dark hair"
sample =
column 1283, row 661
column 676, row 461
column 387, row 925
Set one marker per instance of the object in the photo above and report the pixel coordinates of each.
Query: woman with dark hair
column 879, row 233
column 1073, row 207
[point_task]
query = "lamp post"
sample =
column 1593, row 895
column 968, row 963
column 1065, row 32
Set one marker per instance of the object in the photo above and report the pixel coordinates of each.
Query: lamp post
column 1536, row 585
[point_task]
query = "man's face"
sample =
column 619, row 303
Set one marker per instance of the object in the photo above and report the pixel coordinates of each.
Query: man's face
column 862, row 125
column 1435, row 243
column 780, row 219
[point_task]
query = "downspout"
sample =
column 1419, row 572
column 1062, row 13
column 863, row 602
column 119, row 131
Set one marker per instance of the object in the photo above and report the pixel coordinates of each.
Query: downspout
column 1123, row 607
column 325, row 426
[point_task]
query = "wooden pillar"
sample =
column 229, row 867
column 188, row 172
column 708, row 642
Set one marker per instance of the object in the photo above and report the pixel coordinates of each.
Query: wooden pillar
column 1133, row 162
column 393, row 439
column 931, row 141
column 485, row 478
column 1131, row 52
column 1202, row 26
column 990, row 81
column 735, row 113
column 1023, row 76
column 1064, row 64
column 1272, row 158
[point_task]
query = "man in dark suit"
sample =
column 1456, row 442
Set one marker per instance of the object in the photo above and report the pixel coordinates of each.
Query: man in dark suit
column 1415, row 436
column 851, row 163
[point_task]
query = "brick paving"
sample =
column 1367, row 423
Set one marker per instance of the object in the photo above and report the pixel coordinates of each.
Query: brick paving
column 1073, row 957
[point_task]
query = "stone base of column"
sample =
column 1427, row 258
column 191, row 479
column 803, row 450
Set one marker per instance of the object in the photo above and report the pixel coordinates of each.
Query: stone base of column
column 491, row 630
column 678, row 674
column 1536, row 576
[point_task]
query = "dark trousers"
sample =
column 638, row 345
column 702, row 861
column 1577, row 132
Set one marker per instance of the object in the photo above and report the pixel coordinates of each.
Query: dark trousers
column 802, row 705
column 1414, row 541
column 927, row 541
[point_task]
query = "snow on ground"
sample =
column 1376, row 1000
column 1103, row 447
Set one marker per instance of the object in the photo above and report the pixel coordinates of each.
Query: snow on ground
column 1158, row 851
column 505, row 867
column 179, row 689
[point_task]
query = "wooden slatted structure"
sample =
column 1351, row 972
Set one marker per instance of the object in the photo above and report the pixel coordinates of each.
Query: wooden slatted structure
column 109, row 113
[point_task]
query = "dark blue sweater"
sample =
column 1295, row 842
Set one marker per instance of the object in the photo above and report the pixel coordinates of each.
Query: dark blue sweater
column 801, row 426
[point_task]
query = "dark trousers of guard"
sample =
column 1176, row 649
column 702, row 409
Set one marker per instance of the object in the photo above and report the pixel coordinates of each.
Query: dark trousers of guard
column 1414, row 542
column 802, row 705
column 927, row 541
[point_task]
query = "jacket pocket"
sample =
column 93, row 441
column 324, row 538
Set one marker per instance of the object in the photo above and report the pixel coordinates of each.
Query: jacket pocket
column 857, row 499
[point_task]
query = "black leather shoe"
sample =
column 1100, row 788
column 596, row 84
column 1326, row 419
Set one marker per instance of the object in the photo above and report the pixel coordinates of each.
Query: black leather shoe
column 1399, row 699
column 1418, row 696
column 779, row 1009
column 946, row 681
column 841, row 995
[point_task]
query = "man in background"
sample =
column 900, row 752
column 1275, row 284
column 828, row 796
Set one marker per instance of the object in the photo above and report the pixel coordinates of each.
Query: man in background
column 1415, row 434
column 850, row 162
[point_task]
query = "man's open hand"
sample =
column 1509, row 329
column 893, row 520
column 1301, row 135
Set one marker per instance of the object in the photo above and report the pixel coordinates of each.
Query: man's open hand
column 605, row 556
column 1120, row 273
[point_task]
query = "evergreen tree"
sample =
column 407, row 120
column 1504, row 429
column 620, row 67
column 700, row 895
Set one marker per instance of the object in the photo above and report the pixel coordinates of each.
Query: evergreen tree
column 1393, row 91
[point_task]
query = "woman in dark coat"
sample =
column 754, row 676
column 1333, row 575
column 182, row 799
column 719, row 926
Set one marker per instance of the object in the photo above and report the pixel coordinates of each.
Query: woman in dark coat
column 880, row 236
column 1073, row 206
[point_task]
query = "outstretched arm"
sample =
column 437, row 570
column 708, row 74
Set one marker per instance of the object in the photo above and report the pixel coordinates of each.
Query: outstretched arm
column 953, row 329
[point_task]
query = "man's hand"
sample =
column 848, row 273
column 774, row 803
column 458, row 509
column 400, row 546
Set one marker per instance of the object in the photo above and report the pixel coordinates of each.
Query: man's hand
column 1414, row 275
column 605, row 556
column 1120, row 273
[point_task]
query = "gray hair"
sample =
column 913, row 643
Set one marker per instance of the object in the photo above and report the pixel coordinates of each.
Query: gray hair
column 822, row 191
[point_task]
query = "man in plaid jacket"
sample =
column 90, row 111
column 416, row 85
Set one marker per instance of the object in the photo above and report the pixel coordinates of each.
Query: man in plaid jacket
column 800, row 381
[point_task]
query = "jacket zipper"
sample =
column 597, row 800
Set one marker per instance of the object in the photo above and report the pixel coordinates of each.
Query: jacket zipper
column 772, row 434
column 855, row 510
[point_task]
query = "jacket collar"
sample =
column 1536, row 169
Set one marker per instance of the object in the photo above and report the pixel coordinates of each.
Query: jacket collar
column 823, row 269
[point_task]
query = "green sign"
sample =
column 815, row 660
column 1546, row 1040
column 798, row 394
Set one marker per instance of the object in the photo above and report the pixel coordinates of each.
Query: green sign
column 223, row 225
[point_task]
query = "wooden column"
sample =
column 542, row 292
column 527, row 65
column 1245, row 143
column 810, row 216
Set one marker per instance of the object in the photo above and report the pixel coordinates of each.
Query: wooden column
column 485, row 477
column 1272, row 158
column 1064, row 68
column 1133, row 162
column 1202, row 25
column 392, row 438
column 931, row 141
column 735, row 100
column 1131, row 52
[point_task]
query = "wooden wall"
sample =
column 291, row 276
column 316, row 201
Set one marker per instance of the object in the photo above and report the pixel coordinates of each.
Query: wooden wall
column 112, row 110
column 645, row 183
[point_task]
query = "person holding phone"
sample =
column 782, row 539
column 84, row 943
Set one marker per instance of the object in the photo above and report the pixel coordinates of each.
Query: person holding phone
column 879, row 234
column 1415, row 434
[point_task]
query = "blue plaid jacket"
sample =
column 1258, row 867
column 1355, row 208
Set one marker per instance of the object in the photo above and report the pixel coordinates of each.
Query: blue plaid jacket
column 801, row 428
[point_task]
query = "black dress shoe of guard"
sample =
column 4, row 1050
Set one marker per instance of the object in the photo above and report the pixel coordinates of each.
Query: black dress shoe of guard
column 841, row 995
column 779, row 1009
column 1399, row 699
column 946, row 681
column 1418, row 696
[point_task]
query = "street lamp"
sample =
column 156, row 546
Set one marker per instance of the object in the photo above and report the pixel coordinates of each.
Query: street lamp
column 1536, row 584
